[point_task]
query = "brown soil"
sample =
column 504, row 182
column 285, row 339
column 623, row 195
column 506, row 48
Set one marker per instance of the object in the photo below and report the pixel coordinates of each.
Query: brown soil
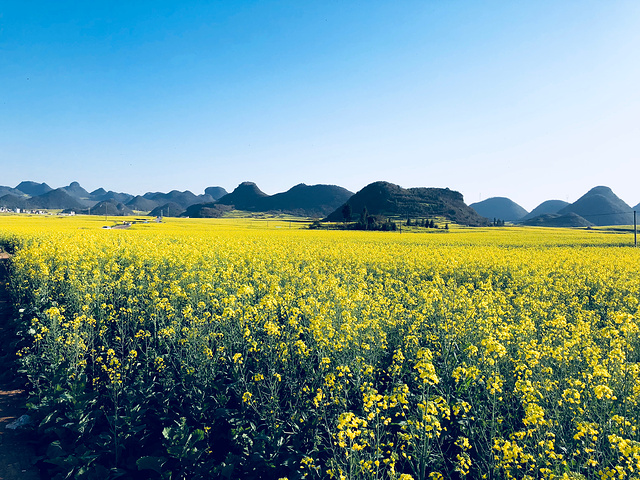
column 17, row 456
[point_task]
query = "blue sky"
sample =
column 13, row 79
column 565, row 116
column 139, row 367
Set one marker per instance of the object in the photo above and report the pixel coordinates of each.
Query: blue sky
column 529, row 100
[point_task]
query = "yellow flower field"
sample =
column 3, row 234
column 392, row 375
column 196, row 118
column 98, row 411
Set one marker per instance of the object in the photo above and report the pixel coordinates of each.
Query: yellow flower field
column 258, row 349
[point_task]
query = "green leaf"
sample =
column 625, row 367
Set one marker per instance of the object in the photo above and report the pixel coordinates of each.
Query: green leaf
column 197, row 435
column 227, row 470
column 55, row 450
column 151, row 463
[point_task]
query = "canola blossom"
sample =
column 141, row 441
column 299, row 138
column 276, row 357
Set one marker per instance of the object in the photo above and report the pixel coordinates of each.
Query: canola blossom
column 236, row 349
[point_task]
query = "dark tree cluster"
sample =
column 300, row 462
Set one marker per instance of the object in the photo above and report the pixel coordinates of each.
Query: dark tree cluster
column 424, row 223
column 374, row 222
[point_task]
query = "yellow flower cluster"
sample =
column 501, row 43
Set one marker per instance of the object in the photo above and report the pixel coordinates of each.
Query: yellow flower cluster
column 510, row 353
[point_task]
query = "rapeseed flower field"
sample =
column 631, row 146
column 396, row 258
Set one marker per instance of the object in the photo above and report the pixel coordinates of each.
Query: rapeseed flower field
column 241, row 349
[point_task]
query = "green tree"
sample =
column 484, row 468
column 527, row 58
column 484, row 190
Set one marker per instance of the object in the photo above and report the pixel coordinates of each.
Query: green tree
column 346, row 212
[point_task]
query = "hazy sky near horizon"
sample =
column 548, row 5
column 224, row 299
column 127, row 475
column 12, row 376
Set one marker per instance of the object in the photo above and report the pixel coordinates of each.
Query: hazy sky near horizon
column 529, row 100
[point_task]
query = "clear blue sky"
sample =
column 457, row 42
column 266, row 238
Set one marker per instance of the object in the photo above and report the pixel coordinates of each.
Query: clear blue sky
column 532, row 100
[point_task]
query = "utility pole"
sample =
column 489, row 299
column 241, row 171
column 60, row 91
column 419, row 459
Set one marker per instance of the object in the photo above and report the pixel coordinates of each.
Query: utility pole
column 635, row 230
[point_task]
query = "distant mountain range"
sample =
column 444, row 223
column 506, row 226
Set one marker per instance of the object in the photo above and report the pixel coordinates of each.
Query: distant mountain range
column 599, row 206
column 40, row 196
column 304, row 200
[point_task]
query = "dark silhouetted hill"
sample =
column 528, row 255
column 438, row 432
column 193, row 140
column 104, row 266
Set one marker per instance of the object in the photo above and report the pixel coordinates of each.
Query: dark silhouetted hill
column 55, row 199
column 557, row 220
column 120, row 197
column 601, row 206
column 308, row 200
column 33, row 189
column 13, row 201
column 387, row 199
column 110, row 208
column 549, row 206
column 141, row 204
column 101, row 194
column 637, row 208
column 207, row 210
column 11, row 191
column 184, row 199
column 216, row 192
column 246, row 196
column 169, row 209
column 75, row 190
column 500, row 208
column 303, row 200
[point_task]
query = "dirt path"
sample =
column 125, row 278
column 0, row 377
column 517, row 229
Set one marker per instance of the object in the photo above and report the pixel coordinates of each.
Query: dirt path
column 16, row 455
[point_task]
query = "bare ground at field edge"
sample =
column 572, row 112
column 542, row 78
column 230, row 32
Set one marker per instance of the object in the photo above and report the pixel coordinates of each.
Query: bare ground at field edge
column 17, row 456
